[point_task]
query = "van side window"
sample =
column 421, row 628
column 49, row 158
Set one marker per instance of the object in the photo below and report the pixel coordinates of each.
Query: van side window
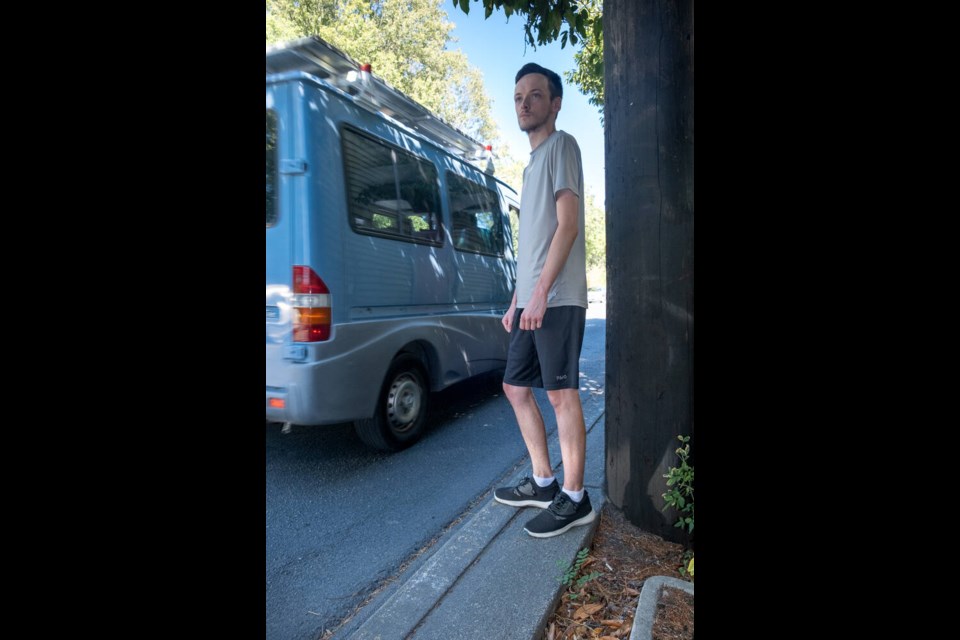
column 477, row 220
column 271, row 167
column 390, row 192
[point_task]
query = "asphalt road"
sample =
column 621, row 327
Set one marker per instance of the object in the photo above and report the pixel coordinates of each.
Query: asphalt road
column 342, row 519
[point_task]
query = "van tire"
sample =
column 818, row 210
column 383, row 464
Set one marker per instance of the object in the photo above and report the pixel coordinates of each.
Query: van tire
column 401, row 408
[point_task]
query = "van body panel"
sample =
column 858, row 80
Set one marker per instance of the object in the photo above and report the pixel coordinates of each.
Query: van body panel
column 399, row 280
column 340, row 383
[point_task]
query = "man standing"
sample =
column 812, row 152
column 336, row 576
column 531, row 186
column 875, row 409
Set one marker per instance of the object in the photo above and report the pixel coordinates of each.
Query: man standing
column 547, row 315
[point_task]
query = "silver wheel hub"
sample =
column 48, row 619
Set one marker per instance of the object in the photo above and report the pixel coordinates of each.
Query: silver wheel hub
column 403, row 402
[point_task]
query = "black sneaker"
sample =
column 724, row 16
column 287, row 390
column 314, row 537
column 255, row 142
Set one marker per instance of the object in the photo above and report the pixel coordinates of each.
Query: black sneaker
column 528, row 494
column 562, row 514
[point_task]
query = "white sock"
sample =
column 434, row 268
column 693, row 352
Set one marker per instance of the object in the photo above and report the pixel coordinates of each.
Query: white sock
column 576, row 496
column 543, row 482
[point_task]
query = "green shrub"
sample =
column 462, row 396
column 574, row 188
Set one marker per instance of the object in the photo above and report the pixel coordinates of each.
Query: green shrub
column 680, row 497
column 680, row 484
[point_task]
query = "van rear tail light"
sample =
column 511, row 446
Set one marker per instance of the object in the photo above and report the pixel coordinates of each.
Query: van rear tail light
column 311, row 306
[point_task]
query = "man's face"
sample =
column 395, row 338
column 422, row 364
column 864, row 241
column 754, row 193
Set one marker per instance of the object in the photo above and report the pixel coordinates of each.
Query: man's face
column 531, row 98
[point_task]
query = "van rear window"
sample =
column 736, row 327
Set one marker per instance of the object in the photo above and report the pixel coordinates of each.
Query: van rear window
column 271, row 167
column 390, row 192
column 477, row 220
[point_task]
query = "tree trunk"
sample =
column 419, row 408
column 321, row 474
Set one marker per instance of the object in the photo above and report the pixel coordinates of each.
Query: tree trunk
column 648, row 115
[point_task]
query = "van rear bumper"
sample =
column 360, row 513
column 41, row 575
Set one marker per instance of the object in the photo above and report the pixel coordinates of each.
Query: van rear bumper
column 315, row 394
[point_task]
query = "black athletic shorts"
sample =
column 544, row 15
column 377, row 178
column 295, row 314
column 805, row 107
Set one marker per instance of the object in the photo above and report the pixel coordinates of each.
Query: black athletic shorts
column 548, row 357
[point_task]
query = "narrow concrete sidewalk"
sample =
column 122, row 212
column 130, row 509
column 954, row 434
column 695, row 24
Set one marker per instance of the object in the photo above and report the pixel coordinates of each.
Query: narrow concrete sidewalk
column 488, row 578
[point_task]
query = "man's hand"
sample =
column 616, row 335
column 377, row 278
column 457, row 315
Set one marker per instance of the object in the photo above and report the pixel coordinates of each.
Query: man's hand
column 507, row 320
column 532, row 317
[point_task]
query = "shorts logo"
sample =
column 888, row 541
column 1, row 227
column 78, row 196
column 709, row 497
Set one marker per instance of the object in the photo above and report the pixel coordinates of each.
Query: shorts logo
column 561, row 378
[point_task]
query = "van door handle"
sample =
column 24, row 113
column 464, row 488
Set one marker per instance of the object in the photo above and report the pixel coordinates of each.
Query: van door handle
column 293, row 167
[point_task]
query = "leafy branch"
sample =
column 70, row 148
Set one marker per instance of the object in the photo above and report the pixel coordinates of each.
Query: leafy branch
column 545, row 18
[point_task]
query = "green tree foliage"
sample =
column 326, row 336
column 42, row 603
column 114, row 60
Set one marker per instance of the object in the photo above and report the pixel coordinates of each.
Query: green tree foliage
column 405, row 42
column 595, row 234
column 545, row 20
column 588, row 75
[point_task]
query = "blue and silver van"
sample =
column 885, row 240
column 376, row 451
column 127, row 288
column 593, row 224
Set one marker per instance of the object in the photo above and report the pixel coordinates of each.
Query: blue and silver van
column 389, row 252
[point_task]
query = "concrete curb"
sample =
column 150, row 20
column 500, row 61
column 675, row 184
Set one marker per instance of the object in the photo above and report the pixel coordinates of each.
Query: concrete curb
column 420, row 593
column 647, row 604
column 487, row 578
column 510, row 591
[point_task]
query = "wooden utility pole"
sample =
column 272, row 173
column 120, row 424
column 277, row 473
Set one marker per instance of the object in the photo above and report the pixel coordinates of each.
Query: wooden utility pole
column 648, row 116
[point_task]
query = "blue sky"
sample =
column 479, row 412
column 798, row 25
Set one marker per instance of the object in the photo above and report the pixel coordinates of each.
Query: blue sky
column 496, row 47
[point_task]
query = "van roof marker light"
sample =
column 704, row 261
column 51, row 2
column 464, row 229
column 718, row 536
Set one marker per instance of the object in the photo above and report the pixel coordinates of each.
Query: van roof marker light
column 488, row 155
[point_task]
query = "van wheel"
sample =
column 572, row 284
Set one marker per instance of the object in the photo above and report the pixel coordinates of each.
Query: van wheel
column 401, row 409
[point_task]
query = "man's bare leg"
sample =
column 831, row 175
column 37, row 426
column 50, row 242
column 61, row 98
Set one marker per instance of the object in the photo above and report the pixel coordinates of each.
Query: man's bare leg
column 573, row 435
column 532, row 428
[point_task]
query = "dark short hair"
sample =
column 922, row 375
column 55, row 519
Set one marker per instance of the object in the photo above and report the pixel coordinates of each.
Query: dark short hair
column 556, row 89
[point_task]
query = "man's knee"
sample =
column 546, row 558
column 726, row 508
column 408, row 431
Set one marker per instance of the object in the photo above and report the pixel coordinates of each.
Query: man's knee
column 562, row 399
column 517, row 394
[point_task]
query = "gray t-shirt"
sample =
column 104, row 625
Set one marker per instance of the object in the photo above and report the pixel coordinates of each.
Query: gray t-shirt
column 554, row 165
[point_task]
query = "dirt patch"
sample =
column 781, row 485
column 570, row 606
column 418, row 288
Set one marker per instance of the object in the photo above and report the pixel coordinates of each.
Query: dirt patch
column 674, row 617
column 603, row 608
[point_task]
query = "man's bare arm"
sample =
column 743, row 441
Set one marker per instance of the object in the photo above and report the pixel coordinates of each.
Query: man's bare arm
column 568, row 227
